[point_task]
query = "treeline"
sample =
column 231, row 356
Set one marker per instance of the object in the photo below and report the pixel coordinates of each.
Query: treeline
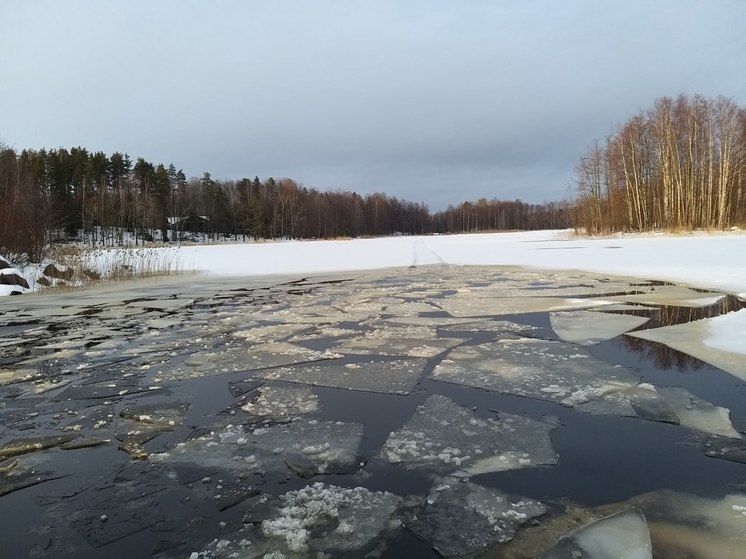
column 679, row 165
column 50, row 195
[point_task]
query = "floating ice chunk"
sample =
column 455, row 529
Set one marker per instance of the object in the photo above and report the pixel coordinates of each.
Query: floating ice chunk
column 327, row 518
column 308, row 447
column 713, row 340
column 270, row 332
column 673, row 295
column 486, row 325
column 397, row 346
column 623, row 535
column 281, row 402
column 165, row 414
column 684, row 525
column 461, row 518
column 279, row 354
column 390, row 377
column 695, row 413
column 541, row 369
column 443, row 437
column 588, row 327
column 495, row 306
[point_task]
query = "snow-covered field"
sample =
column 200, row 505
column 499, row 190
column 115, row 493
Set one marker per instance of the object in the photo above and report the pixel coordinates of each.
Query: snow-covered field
column 715, row 261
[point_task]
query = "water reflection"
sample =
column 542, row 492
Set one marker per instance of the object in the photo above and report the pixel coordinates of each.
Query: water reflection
column 663, row 356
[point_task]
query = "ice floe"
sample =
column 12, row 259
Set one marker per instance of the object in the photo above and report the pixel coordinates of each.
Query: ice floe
column 546, row 370
column 461, row 518
column 397, row 376
column 623, row 535
column 279, row 403
column 588, row 327
column 307, row 447
column 699, row 339
column 445, row 438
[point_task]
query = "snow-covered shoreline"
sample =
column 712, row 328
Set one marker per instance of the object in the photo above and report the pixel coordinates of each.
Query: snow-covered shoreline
column 716, row 261
column 701, row 260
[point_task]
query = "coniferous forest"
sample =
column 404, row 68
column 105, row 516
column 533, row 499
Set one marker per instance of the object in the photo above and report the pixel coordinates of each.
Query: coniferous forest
column 679, row 165
column 51, row 195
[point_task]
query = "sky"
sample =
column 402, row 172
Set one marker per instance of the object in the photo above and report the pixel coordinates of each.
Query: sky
column 426, row 100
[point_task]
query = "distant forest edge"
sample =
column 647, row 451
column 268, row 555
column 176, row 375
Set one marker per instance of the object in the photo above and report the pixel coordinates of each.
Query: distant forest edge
column 50, row 195
column 679, row 165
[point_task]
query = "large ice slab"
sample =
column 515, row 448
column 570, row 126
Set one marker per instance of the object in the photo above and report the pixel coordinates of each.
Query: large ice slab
column 546, row 370
column 470, row 307
column 673, row 295
column 700, row 340
column 307, row 447
column 445, row 438
column 392, row 377
column 390, row 343
column 623, row 535
column 588, row 327
column 461, row 518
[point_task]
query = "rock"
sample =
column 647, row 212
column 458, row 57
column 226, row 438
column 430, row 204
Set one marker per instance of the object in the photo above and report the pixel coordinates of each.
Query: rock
column 91, row 274
column 13, row 278
column 4, row 263
column 53, row 271
column 44, row 281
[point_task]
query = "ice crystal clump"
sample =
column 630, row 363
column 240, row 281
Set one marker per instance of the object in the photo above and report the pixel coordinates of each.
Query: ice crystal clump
column 323, row 517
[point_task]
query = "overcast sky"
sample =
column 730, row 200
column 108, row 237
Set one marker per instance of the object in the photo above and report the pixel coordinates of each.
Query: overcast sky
column 426, row 100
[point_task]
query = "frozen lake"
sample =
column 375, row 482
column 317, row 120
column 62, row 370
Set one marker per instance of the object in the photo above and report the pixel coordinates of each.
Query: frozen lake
column 421, row 411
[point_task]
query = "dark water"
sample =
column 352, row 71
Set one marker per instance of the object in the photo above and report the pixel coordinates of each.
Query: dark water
column 602, row 459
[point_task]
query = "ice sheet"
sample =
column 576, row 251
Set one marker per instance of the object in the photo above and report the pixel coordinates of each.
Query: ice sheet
column 462, row 518
column 392, row 377
column 445, row 438
column 700, row 339
column 547, row 370
column 470, row 307
column 624, row 535
column 588, row 327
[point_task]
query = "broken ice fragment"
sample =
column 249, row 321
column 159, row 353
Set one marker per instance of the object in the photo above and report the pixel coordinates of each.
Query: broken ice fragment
column 672, row 295
column 327, row 518
column 393, row 344
column 546, row 370
column 623, row 535
column 443, row 437
column 33, row 444
column 278, row 403
column 590, row 327
column 709, row 340
column 393, row 377
column 469, row 307
column 461, row 518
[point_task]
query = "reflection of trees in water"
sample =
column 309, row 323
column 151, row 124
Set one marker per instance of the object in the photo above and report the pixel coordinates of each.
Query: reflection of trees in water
column 664, row 357
column 670, row 315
